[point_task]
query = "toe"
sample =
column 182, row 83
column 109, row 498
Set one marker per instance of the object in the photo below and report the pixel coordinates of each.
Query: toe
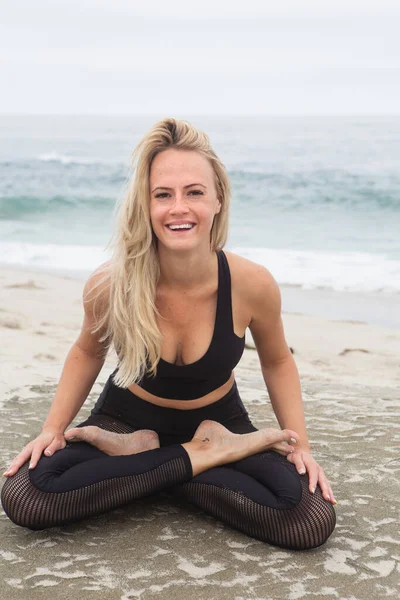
column 283, row 448
column 85, row 434
column 72, row 433
column 290, row 436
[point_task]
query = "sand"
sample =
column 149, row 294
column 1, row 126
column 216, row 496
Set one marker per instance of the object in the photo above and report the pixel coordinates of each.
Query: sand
column 350, row 379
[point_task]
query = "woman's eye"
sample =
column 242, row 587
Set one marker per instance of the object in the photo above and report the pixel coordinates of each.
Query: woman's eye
column 195, row 192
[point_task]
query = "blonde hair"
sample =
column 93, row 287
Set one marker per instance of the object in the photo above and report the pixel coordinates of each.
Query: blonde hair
column 127, row 319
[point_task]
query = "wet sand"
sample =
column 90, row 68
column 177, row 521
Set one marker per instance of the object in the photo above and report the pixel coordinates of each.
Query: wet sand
column 350, row 379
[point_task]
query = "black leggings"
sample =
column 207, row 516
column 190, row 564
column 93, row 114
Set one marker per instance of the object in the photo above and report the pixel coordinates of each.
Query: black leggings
column 261, row 495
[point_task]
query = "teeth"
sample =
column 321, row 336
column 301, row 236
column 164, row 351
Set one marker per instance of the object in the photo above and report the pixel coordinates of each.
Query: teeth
column 184, row 226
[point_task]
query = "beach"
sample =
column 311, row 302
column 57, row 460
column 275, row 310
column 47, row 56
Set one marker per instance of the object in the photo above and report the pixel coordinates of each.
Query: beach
column 350, row 377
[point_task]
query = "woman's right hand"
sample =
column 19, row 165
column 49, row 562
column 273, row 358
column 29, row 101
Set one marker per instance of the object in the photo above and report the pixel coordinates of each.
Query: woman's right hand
column 48, row 441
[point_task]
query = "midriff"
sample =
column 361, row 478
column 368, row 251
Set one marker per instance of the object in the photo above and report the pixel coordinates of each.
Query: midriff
column 184, row 404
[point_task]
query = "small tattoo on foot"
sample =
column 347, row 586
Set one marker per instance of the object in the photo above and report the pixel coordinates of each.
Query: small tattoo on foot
column 205, row 440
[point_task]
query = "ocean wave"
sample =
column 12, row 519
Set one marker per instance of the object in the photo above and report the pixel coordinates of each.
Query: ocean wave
column 339, row 271
column 66, row 159
column 58, row 257
column 19, row 207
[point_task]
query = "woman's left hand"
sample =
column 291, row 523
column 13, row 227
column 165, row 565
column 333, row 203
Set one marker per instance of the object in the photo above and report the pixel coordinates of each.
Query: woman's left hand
column 303, row 462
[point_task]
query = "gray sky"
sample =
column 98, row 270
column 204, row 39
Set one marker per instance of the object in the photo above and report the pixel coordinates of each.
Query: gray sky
column 208, row 57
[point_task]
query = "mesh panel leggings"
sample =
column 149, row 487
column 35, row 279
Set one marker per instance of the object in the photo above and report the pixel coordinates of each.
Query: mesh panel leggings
column 261, row 495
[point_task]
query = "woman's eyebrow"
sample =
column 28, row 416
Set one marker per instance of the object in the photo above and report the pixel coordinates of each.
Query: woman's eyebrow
column 184, row 187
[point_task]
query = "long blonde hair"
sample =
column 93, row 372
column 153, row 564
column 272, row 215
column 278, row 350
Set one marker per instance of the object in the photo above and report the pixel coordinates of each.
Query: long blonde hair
column 127, row 319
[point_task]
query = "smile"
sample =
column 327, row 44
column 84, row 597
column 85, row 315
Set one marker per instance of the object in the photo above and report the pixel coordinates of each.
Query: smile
column 181, row 227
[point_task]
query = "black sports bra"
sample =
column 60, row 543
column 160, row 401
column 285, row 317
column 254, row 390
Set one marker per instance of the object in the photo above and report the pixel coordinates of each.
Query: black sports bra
column 214, row 368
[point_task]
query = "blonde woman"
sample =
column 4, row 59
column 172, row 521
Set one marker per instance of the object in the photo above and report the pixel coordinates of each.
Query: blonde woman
column 175, row 307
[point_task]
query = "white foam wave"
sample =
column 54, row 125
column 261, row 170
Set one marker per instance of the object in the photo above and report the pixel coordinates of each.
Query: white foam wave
column 53, row 256
column 340, row 271
column 65, row 159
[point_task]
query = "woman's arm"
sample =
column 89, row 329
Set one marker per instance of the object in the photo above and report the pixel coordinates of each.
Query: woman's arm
column 77, row 378
column 280, row 372
column 82, row 365
column 277, row 364
column 81, row 368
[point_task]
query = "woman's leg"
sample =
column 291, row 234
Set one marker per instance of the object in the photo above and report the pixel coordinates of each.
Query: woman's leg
column 81, row 481
column 263, row 496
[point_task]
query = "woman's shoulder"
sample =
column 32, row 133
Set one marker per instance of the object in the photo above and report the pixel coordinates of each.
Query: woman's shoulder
column 254, row 286
column 97, row 286
column 247, row 274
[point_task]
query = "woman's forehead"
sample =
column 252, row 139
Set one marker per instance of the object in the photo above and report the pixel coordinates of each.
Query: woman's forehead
column 178, row 164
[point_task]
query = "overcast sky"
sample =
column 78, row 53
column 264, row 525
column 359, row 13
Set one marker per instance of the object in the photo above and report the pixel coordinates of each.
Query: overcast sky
column 204, row 57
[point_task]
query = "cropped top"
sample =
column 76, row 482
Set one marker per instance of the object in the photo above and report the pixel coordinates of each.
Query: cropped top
column 214, row 368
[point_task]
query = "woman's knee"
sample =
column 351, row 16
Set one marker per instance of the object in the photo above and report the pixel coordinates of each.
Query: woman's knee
column 304, row 526
column 315, row 520
column 28, row 496
column 50, row 471
column 21, row 501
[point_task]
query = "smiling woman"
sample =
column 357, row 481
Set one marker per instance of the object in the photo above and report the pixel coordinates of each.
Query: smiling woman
column 186, row 209
column 175, row 307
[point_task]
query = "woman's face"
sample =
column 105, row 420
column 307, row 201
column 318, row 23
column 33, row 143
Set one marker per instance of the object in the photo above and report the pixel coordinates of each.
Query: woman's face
column 182, row 193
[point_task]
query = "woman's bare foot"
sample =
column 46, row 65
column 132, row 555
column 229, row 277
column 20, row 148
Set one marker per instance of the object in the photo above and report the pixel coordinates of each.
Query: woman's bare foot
column 213, row 444
column 115, row 444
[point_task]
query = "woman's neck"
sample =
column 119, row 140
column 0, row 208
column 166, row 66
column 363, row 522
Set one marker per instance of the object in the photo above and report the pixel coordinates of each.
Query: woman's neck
column 186, row 270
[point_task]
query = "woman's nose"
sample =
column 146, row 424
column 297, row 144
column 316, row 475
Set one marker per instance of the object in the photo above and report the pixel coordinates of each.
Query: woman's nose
column 180, row 204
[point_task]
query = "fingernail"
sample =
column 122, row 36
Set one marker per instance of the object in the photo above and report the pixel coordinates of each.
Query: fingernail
column 48, row 452
column 328, row 497
column 302, row 471
column 335, row 502
column 6, row 473
column 312, row 490
column 71, row 438
column 293, row 440
column 30, row 466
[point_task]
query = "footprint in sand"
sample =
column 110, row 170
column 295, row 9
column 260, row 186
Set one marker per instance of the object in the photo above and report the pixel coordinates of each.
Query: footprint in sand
column 28, row 285
column 45, row 357
column 346, row 350
column 10, row 323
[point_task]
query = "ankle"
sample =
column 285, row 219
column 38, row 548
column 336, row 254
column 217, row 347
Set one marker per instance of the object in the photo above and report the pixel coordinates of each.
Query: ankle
column 201, row 456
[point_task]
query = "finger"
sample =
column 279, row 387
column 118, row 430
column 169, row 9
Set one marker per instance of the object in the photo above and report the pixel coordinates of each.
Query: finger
column 291, row 458
column 313, row 471
column 325, row 487
column 19, row 461
column 55, row 445
column 298, row 463
column 36, row 454
column 330, row 492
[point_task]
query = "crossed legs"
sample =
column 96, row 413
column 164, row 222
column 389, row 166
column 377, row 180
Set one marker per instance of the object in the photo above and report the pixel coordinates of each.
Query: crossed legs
column 261, row 494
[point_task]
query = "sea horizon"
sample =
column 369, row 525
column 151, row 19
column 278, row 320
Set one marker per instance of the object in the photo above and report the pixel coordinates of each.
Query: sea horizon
column 315, row 199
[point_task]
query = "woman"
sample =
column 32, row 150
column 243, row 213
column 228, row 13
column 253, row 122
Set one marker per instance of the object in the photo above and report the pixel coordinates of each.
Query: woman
column 170, row 416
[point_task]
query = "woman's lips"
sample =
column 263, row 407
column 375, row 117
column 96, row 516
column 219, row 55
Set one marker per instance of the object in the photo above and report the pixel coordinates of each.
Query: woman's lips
column 181, row 229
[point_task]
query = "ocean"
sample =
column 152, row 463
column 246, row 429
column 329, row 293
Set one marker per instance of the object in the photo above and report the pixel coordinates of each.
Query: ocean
column 315, row 200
